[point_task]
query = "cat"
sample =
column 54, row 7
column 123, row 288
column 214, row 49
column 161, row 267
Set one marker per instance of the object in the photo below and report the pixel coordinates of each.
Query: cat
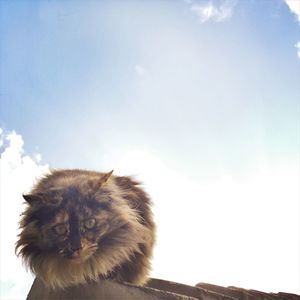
column 81, row 226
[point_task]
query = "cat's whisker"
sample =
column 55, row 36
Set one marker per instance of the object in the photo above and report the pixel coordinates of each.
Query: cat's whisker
column 94, row 246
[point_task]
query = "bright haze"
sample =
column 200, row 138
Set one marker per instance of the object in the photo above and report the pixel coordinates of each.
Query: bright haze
column 199, row 100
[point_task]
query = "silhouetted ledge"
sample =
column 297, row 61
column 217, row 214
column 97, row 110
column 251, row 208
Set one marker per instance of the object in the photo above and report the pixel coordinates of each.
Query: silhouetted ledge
column 102, row 290
column 187, row 290
column 154, row 290
column 240, row 293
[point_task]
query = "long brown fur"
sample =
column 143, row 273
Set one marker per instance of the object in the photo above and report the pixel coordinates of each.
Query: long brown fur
column 82, row 225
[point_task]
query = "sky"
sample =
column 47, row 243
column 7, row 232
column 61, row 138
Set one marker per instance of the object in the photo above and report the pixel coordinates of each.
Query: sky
column 197, row 99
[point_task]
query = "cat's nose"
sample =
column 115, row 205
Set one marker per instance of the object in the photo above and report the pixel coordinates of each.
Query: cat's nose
column 75, row 248
column 76, row 253
column 75, row 244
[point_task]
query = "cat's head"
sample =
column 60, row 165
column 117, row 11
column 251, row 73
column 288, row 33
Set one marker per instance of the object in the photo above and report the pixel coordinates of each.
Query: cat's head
column 72, row 219
column 78, row 226
column 68, row 220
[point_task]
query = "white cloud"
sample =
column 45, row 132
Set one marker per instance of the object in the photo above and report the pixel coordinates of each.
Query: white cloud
column 298, row 47
column 1, row 141
column 213, row 11
column 18, row 172
column 38, row 157
column 224, row 231
column 294, row 6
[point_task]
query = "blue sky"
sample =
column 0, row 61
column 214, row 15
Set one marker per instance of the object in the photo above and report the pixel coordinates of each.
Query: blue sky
column 205, row 92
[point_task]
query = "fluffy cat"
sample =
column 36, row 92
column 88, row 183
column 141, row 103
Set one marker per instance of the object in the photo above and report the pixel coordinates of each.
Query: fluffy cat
column 82, row 226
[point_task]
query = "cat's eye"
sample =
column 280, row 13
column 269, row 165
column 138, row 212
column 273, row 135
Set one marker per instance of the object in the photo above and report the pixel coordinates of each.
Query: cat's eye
column 60, row 229
column 90, row 223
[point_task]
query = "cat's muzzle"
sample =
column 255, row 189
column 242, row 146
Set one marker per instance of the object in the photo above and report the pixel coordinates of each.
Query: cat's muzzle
column 71, row 254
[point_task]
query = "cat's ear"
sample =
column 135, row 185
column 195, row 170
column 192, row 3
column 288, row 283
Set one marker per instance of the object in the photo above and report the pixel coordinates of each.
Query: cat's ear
column 31, row 199
column 48, row 199
column 105, row 177
column 94, row 185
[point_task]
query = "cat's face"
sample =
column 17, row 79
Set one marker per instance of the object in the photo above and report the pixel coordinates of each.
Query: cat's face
column 75, row 229
column 71, row 222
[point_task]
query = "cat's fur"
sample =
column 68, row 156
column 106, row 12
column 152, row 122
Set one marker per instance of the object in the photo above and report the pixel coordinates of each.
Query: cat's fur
column 83, row 225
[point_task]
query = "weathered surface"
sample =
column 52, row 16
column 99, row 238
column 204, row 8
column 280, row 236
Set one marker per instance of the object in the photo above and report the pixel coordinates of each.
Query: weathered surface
column 199, row 293
column 243, row 294
column 155, row 289
column 102, row 290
